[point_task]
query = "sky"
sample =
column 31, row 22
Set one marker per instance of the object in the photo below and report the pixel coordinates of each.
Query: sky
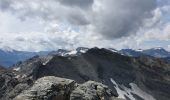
column 40, row 25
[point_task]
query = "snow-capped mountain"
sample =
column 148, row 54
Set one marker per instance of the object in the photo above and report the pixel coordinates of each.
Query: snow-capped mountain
column 60, row 52
column 74, row 52
column 154, row 52
column 113, row 50
column 157, row 52
column 131, row 52
column 9, row 57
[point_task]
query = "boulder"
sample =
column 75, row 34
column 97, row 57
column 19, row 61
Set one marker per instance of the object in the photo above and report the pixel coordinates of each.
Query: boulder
column 48, row 88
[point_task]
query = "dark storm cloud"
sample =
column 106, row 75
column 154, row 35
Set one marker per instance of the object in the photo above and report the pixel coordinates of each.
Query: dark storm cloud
column 78, row 18
column 119, row 18
column 51, row 10
column 110, row 18
column 78, row 3
column 5, row 4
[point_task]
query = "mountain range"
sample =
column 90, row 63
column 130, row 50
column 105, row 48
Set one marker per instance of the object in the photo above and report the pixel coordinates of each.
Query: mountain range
column 154, row 52
column 9, row 58
column 87, row 74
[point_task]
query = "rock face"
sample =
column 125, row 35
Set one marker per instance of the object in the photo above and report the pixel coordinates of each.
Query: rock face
column 54, row 88
column 92, row 91
column 7, row 82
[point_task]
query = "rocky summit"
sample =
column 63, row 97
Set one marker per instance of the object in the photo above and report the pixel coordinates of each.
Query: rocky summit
column 94, row 74
column 54, row 88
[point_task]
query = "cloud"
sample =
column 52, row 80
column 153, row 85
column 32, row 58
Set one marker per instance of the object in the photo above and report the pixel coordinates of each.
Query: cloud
column 53, row 24
column 77, row 3
column 51, row 10
column 157, row 16
column 111, row 18
column 159, row 33
column 119, row 18
column 6, row 4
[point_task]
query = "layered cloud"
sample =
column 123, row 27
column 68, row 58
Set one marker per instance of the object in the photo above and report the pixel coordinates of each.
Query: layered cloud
column 118, row 18
column 77, row 3
column 51, row 10
column 53, row 24
column 111, row 18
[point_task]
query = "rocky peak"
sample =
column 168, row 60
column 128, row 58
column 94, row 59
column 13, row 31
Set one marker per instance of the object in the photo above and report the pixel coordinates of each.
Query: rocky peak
column 54, row 88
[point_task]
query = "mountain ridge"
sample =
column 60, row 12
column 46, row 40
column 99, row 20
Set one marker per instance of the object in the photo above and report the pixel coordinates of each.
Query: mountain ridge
column 11, row 57
column 121, row 73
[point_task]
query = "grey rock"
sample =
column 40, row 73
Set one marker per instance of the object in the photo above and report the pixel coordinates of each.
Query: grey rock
column 7, row 83
column 92, row 91
column 17, row 90
column 48, row 88
column 54, row 88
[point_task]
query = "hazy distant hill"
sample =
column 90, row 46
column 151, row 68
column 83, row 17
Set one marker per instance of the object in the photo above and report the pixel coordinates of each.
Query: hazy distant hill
column 8, row 58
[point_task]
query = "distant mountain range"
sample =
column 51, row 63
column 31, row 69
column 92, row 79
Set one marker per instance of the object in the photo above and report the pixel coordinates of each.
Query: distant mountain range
column 154, row 52
column 10, row 57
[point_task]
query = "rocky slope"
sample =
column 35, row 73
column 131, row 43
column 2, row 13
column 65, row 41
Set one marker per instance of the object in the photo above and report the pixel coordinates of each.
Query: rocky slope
column 129, row 78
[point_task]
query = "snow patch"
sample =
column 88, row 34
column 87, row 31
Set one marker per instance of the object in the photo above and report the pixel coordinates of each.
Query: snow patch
column 141, row 93
column 45, row 60
column 122, row 54
column 83, row 51
column 139, row 50
column 62, row 53
column 128, row 92
column 17, row 69
column 157, row 48
column 113, row 50
column 119, row 91
column 73, row 52
column 24, row 75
